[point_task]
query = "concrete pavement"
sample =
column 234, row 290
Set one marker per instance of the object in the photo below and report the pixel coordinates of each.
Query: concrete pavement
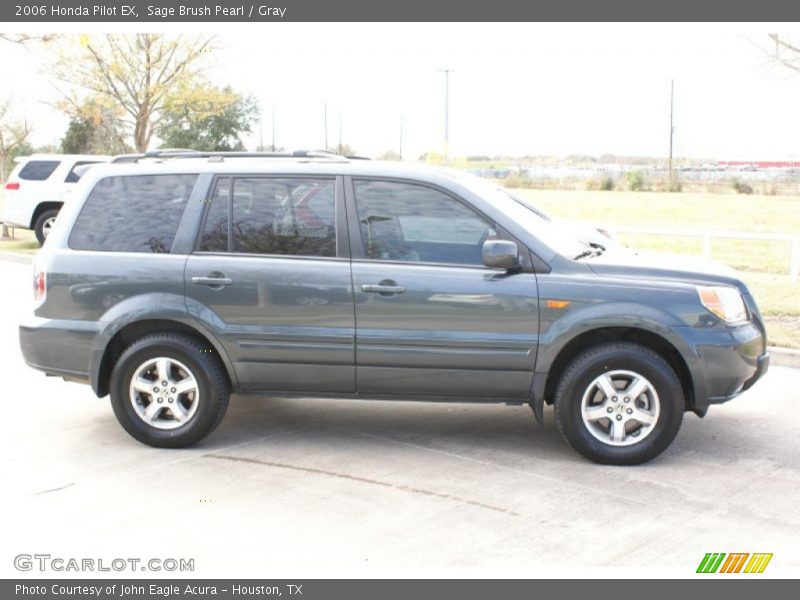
column 309, row 487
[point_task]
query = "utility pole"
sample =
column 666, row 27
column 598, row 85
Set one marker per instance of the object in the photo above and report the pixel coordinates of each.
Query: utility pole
column 671, row 131
column 446, row 114
column 274, row 148
column 400, row 153
column 326, row 125
column 340, row 132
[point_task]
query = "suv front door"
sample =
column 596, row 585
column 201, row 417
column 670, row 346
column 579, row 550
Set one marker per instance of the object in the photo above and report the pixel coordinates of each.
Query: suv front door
column 272, row 276
column 431, row 319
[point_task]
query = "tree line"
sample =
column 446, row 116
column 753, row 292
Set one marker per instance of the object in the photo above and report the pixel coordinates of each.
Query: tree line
column 120, row 91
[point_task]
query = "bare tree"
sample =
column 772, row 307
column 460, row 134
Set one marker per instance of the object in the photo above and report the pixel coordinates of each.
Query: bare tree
column 13, row 134
column 26, row 38
column 139, row 73
column 783, row 51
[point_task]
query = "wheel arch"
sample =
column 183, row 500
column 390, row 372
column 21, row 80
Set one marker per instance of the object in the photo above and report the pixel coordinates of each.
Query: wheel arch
column 43, row 207
column 126, row 335
column 594, row 337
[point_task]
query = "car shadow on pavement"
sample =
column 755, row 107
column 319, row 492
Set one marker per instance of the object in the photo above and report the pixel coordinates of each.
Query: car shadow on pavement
column 487, row 427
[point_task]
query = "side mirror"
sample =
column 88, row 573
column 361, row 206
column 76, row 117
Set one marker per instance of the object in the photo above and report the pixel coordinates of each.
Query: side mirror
column 500, row 254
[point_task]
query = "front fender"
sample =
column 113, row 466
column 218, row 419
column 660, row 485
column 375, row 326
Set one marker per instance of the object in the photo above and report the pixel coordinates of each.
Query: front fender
column 559, row 332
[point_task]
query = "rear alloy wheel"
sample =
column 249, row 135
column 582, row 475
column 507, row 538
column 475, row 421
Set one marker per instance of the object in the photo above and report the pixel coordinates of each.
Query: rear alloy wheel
column 168, row 390
column 164, row 393
column 44, row 224
column 619, row 404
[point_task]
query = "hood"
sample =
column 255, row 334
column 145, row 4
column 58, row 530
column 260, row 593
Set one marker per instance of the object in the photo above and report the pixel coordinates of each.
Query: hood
column 586, row 232
column 624, row 262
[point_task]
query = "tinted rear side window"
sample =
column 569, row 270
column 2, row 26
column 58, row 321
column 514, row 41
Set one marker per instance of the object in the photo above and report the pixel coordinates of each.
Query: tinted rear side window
column 276, row 216
column 215, row 232
column 38, row 170
column 136, row 213
column 72, row 176
column 285, row 216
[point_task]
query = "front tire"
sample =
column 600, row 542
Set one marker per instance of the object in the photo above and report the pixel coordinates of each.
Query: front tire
column 44, row 223
column 619, row 404
column 168, row 390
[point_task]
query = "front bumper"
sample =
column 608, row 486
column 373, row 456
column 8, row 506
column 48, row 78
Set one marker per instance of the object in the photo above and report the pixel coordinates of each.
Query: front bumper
column 725, row 363
column 761, row 369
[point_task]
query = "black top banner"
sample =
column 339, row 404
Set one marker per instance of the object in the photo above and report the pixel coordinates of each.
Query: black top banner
column 54, row 11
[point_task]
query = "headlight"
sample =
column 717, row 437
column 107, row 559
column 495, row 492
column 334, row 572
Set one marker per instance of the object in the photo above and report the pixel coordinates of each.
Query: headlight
column 725, row 302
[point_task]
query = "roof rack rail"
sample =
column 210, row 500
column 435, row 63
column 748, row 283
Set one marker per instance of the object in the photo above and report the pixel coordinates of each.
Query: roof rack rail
column 220, row 156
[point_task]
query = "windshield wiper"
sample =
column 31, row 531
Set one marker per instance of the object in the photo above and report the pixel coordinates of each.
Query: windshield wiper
column 592, row 249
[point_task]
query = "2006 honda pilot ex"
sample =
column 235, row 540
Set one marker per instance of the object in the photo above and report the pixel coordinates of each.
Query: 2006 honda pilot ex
column 170, row 282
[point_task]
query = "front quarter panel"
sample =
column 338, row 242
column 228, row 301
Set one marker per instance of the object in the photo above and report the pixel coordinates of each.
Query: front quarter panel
column 661, row 308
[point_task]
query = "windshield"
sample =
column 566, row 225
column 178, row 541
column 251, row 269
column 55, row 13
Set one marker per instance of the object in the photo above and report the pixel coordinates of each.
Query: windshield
column 557, row 237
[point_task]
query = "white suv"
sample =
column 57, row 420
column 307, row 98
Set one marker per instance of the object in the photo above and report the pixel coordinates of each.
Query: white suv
column 38, row 187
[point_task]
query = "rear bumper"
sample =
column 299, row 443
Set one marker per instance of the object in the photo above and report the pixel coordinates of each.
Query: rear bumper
column 62, row 348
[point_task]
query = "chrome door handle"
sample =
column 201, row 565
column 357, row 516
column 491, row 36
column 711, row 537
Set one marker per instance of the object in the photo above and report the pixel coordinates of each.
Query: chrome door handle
column 382, row 289
column 212, row 281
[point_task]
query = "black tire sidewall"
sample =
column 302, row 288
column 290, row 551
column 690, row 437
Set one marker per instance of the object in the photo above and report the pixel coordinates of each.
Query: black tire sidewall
column 590, row 365
column 202, row 422
column 38, row 227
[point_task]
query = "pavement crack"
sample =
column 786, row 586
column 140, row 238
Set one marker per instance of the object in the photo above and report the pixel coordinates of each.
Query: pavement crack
column 377, row 482
column 554, row 480
column 58, row 489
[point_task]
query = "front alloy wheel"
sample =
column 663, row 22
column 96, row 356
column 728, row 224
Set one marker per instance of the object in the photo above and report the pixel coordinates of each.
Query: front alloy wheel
column 619, row 403
column 620, row 408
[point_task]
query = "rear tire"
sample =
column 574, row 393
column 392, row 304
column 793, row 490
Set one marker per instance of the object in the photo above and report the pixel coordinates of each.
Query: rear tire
column 168, row 390
column 619, row 404
column 44, row 223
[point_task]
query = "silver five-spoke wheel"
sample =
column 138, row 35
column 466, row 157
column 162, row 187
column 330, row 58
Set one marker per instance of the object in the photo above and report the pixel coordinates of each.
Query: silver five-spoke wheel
column 164, row 393
column 620, row 408
column 47, row 226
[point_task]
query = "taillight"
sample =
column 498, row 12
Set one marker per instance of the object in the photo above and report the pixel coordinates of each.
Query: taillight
column 39, row 285
column 12, row 185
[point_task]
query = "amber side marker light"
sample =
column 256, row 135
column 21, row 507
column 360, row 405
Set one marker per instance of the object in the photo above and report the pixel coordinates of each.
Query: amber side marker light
column 558, row 303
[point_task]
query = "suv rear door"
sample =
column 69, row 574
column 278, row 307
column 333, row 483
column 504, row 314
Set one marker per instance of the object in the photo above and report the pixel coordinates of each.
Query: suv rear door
column 431, row 319
column 271, row 274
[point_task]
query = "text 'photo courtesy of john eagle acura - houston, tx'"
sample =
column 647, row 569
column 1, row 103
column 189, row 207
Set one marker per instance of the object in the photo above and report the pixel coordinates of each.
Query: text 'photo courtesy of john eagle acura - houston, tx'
column 171, row 280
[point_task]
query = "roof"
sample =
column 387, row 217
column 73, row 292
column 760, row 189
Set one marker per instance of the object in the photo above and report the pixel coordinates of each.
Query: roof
column 60, row 157
column 255, row 163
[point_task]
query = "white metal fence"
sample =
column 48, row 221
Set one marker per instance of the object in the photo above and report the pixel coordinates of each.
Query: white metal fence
column 708, row 236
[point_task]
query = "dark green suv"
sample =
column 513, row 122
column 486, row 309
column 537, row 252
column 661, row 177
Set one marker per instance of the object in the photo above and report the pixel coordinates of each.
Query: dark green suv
column 172, row 280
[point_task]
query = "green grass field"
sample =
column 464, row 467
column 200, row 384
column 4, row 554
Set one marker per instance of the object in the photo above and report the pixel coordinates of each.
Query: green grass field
column 764, row 265
column 23, row 241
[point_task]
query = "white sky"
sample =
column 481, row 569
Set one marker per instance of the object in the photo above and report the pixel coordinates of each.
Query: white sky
column 545, row 89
